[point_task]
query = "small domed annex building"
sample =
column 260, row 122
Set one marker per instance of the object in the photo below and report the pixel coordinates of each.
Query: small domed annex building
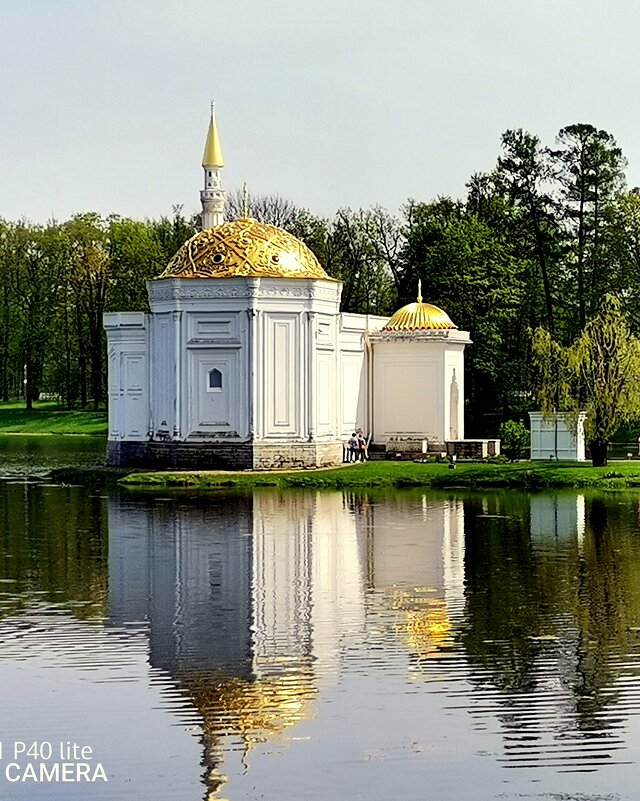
column 245, row 360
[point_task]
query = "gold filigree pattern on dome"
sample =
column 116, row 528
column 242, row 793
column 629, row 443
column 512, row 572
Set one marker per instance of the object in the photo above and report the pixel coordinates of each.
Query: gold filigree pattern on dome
column 245, row 248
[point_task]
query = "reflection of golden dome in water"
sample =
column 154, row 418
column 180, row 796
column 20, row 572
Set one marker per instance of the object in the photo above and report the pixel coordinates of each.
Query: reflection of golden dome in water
column 253, row 709
column 245, row 248
column 426, row 626
column 419, row 316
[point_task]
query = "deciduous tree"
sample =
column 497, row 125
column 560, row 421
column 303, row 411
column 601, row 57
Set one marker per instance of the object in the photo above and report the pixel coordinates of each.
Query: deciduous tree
column 599, row 372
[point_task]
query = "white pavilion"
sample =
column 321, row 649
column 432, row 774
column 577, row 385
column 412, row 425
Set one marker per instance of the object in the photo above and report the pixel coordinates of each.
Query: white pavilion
column 246, row 361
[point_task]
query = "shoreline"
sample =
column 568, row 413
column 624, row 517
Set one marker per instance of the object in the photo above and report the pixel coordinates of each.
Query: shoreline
column 470, row 475
column 101, row 434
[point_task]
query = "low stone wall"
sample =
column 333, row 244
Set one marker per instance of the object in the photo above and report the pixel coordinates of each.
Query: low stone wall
column 223, row 455
column 473, row 448
column 408, row 448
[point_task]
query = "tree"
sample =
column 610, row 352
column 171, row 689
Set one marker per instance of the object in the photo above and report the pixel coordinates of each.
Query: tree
column 90, row 285
column 525, row 171
column 172, row 233
column 136, row 255
column 367, row 283
column 590, row 167
column 623, row 248
column 602, row 368
column 271, row 209
column 38, row 259
column 8, row 314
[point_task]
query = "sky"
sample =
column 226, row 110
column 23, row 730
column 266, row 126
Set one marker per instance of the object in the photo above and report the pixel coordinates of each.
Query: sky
column 333, row 104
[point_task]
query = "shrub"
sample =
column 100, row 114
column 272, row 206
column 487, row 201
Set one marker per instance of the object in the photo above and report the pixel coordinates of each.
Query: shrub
column 514, row 439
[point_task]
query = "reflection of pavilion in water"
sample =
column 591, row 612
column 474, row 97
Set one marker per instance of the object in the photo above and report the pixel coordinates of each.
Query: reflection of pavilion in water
column 516, row 602
column 415, row 559
column 247, row 600
column 253, row 602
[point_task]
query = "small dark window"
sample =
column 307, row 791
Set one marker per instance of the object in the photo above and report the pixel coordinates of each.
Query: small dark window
column 215, row 379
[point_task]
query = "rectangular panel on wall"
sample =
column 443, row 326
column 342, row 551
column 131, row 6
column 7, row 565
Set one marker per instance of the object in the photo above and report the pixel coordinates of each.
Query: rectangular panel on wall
column 353, row 391
column 324, row 329
column 325, row 393
column 162, row 373
column 213, row 327
column 454, row 396
column 115, row 384
column 217, row 396
column 283, row 391
column 408, row 398
column 135, row 399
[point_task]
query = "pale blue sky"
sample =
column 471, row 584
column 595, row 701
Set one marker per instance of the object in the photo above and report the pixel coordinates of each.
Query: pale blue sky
column 105, row 103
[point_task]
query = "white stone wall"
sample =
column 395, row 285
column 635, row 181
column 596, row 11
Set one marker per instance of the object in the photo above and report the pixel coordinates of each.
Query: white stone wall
column 552, row 439
column 355, row 379
column 128, row 380
column 275, row 345
column 272, row 361
column 162, row 379
column 454, row 392
column 197, row 327
column 418, row 386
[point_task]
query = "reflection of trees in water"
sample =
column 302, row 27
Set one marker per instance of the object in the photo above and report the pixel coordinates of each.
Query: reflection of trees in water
column 607, row 607
column 53, row 545
column 511, row 592
column 550, row 621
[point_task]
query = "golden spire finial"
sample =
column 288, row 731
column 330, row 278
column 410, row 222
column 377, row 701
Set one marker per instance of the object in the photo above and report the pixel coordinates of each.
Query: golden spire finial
column 212, row 156
column 245, row 200
column 419, row 290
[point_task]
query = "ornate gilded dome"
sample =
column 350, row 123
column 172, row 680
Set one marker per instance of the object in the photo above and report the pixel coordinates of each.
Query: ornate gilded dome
column 247, row 248
column 419, row 316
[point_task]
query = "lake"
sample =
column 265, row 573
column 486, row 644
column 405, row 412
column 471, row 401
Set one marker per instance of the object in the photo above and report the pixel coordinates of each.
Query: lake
column 315, row 645
column 34, row 455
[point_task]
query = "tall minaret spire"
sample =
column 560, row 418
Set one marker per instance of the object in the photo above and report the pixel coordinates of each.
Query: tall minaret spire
column 212, row 196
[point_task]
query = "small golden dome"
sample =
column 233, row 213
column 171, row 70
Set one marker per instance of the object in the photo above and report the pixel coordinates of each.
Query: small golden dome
column 246, row 248
column 419, row 316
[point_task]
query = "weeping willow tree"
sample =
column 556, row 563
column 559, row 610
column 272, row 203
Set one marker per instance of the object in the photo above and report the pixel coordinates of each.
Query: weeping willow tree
column 599, row 373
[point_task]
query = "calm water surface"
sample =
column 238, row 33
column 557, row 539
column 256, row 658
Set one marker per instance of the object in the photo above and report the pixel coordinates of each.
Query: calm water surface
column 323, row 645
column 23, row 454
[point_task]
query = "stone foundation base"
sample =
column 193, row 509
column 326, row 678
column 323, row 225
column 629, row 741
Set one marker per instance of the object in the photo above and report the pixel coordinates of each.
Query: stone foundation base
column 223, row 455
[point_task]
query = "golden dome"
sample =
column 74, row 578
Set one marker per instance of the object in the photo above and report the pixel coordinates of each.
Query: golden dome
column 419, row 316
column 246, row 248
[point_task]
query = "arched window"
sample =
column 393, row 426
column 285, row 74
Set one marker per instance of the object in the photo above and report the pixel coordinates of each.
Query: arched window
column 215, row 379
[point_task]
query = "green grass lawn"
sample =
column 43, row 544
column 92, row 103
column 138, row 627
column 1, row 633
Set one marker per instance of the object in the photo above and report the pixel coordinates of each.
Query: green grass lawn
column 526, row 475
column 47, row 417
